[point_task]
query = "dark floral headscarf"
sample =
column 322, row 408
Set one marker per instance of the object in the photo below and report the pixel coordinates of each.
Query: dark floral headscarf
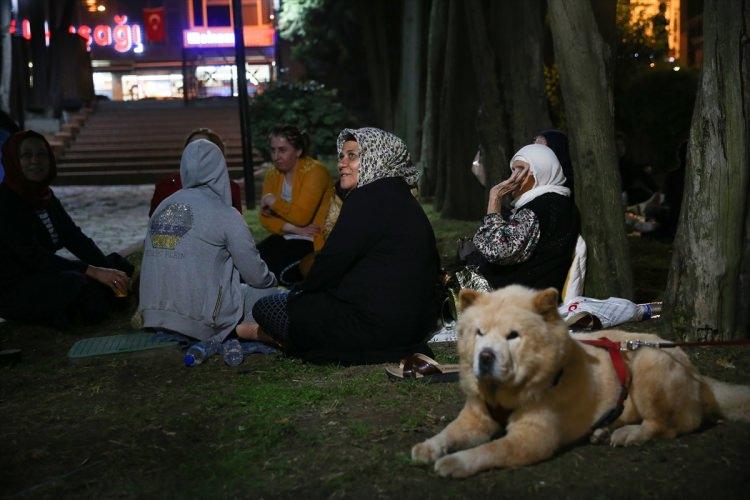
column 382, row 155
column 36, row 194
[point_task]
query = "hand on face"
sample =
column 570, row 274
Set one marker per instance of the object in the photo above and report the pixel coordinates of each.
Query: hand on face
column 515, row 185
column 349, row 163
column 34, row 159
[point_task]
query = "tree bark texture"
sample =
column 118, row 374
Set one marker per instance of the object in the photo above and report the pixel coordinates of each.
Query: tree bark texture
column 581, row 56
column 518, row 38
column 378, row 60
column 708, row 290
column 435, row 56
column 458, row 195
column 6, row 59
column 409, row 108
column 491, row 125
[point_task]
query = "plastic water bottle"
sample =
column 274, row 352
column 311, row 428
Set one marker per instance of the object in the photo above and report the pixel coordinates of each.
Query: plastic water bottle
column 231, row 351
column 198, row 353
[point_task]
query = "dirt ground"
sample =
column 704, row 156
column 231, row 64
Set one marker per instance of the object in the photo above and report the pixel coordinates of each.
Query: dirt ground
column 275, row 427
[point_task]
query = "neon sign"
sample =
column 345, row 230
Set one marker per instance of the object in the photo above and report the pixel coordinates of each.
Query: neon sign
column 255, row 36
column 123, row 37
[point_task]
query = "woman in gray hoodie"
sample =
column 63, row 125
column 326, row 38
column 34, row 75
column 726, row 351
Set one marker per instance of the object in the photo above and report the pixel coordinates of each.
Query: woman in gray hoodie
column 201, row 273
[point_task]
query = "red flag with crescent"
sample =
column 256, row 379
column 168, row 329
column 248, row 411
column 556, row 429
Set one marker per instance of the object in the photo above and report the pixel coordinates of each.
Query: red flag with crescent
column 154, row 20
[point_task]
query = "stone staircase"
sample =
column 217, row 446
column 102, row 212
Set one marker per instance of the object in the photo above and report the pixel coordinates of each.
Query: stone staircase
column 141, row 142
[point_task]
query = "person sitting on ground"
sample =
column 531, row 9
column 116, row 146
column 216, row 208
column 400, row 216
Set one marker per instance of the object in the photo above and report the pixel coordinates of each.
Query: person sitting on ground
column 295, row 203
column 559, row 144
column 370, row 295
column 534, row 244
column 171, row 183
column 36, row 285
column 196, row 252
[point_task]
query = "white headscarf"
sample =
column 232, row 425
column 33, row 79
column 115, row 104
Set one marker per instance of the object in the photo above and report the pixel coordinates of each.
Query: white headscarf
column 546, row 169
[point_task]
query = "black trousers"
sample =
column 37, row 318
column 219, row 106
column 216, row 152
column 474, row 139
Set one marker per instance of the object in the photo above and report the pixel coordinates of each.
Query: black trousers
column 279, row 253
column 58, row 299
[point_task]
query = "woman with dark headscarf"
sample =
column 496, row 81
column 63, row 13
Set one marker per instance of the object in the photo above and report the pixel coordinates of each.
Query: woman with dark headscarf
column 369, row 296
column 35, row 283
column 558, row 142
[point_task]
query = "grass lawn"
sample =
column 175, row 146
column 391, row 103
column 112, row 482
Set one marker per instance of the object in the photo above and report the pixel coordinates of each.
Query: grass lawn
column 274, row 427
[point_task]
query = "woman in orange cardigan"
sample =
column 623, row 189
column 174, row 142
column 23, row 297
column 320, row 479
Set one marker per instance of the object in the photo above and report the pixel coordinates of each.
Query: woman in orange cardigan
column 296, row 197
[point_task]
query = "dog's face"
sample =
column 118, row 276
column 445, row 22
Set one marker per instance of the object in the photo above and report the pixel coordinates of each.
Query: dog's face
column 510, row 339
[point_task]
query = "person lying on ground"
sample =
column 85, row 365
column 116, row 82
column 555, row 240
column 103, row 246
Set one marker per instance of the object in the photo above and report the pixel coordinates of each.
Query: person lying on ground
column 294, row 205
column 197, row 251
column 370, row 295
column 172, row 183
column 36, row 285
column 533, row 245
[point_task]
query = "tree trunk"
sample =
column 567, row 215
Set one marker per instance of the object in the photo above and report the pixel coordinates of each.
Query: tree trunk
column 519, row 42
column 39, row 57
column 435, row 55
column 408, row 110
column 378, row 62
column 61, row 48
column 491, row 126
column 458, row 194
column 708, row 290
column 6, row 61
column 582, row 59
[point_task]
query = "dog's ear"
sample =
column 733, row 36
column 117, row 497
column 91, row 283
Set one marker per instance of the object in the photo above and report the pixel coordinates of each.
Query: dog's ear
column 545, row 303
column 466, row 297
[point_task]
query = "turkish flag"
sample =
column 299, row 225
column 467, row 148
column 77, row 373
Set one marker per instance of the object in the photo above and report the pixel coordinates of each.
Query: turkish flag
column 154, row 19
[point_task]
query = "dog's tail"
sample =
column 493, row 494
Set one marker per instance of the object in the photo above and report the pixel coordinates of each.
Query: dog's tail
column 724, row 400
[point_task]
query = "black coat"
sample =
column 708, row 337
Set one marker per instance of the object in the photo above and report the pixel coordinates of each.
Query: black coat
column 370, row 295
column 27, row 248
column 37, row 285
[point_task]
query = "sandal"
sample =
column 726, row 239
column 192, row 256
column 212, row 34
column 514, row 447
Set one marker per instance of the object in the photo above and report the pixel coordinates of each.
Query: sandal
column 423, row 368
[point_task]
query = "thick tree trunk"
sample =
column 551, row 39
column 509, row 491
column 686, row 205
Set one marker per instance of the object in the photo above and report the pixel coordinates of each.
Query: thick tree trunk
column 491, row 126
column 435, row 55
column 458, row 194
column 708, row 291
column 39, row 57
column 6, row 61
column 582, row 59
column 62, row 47
column 408, row 110
column 518, row 41
column 378, row 61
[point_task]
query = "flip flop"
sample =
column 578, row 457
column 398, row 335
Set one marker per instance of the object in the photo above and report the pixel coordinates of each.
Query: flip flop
column 424, row 369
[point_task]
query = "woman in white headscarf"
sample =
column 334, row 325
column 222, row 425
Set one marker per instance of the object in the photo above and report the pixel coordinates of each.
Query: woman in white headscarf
column 533, row 245
column 370, row 295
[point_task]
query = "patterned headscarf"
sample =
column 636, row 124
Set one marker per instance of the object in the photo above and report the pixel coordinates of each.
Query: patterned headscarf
column 382, row 155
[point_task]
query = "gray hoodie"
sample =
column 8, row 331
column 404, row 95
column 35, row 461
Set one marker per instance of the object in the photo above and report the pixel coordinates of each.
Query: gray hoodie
column 196, row 249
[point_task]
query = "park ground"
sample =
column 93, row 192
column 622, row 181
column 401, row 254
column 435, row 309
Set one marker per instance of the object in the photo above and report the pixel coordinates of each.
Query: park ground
column 275, row 427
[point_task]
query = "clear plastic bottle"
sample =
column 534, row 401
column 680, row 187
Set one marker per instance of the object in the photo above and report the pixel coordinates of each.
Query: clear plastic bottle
column 198, row 353
column 231, row 351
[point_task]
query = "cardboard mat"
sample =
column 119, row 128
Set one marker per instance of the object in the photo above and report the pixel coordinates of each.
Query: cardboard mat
column 119, row 344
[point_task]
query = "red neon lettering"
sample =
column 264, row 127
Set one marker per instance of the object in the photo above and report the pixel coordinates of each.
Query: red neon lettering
column 85, row 32
column 121, row 34
column 103, row 35
column 26, row 29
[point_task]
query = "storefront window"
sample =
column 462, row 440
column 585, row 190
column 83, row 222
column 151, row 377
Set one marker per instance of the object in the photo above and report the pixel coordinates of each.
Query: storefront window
column 197, row 12
column 218, row 13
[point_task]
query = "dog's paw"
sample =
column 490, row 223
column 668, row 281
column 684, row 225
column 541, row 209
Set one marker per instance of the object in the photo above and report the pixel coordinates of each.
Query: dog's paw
column 455, row 465
column 600, row 436
column 628, row 436
column 426, row 452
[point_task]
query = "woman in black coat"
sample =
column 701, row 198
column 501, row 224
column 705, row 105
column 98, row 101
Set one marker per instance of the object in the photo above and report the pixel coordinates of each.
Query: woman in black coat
column 369, row 296
column 37, row 285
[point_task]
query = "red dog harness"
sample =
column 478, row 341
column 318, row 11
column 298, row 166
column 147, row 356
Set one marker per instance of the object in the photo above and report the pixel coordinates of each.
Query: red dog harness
column 615, row 354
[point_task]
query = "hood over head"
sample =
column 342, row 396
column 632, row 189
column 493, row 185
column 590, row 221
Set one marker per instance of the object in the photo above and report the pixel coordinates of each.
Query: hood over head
column 202, row 164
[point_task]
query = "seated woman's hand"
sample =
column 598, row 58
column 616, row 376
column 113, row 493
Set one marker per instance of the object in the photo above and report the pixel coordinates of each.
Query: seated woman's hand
column 498, row 191
column 267, row 201
column 115, row 279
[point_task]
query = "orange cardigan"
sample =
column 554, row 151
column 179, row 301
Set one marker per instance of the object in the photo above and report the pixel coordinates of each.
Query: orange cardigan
column 311, row 197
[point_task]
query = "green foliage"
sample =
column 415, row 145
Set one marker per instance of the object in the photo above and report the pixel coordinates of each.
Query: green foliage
column 554, row 96
column 310, row 106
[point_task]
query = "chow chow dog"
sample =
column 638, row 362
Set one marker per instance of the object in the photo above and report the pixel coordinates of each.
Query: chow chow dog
column 523, row 372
